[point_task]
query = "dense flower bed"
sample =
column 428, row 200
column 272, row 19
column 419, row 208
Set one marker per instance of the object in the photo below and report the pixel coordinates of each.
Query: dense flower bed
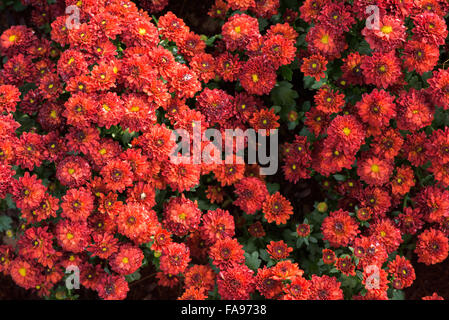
column 89, row 109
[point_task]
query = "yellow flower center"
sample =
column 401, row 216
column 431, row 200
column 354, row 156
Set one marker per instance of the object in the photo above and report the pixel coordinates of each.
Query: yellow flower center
column 69, row 236
column 12, row 38
column 125, row 260
column 387, row 29
column 346, row 131
column 325, row 39
column 375, row 168
column 255, row 77
column 237, row 29
column 23, row 272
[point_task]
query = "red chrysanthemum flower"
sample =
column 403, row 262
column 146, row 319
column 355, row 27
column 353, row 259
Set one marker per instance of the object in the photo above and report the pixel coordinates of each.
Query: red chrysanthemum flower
column 329, row 101
column 117, row 175
column 329, row 256
column 72, row 236
column 429, row 28
column 204, row 65
column 277, row 208
column 432, row 247
column 298, row 289
column 375, row 171
column 434, row 296
column 347, row 133
column 414, row 148
column 175, row 258
column 433, row 203
column 104, row 244
column 9, row 96
column 439, row 88
column 226, row 252
column 325, row 288
column 410, row 221
column 77, row 204
column 339, row 228
column 200, row 277
column 215, row 104
column 181, row 216
column 36, row 243
column 420, row 56
column 267, row 286
column 414, row 110
column 264, row 119
column 403, row 181
column 376, row 108
column 279, row 50
column 352, row 70
column 239, row 30
column 278, row 250
column 390, row 35
column 137, row 222
column 217, row 225
column 346, row 266
column 314, row 66
column 251, row 193
column 127, row 260
column 112, row 287
column 236, row 283
column 171, row 27
column 402, row 272
column 303, row 230
column 326, row 41
column 193, row 294
column 381, row 69
column 24, row 273
column 28, row 192
column 256, row 230
column 257, row 76
column 73, row 171
column 384, row 231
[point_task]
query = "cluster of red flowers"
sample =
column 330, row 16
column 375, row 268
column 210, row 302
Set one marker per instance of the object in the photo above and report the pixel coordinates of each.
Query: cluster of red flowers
column 87, row 115
column 373, row 123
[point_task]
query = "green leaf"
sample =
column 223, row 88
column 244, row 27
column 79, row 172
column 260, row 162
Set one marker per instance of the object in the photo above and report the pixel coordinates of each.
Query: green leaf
column 283, row 94
column 263, row 254
column 398, row 295
column 18, row 6
column 292, row 125
column 273, row 187
column 263, row 23
column 287, row 73
column 276, row 109
column 252, row 260
column 5, row 223
column 133, row 277
column 364, row 48
column 339, row 177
